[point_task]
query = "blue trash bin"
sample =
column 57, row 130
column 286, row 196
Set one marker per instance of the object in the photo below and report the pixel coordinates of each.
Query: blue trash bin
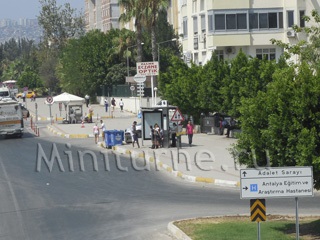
column 118, row 137
column 108, row 138
column 113, row 137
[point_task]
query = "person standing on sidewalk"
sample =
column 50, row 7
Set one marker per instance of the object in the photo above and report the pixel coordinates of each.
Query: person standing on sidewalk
column 134, row 134
column 121, row 105
column 152, row 137
column 190, row 132
column 103, row 128
column 96, row 133
column 113, row 103
column 87, row 98
column 106, row 104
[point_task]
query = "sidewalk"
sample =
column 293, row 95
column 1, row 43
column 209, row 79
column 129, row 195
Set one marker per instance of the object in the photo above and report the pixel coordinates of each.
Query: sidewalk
column 207, row 161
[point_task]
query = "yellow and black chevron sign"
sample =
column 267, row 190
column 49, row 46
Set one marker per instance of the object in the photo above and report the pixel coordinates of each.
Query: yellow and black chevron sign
column 258, row 210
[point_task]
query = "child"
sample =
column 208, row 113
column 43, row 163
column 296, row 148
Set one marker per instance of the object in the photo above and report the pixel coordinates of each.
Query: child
column 96, row 133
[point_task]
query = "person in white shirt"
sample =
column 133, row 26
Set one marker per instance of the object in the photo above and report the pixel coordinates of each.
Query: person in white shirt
column 121, row 103
column 103, row 128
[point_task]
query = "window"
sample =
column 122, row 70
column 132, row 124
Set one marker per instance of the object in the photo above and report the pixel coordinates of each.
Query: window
column 194, row 6
column 280, row 19
column 203, row 23
column 254, row 20
column 272, row 19
column 195, row 25
column 267, row 53
column 233, row 21
column 210, row 21
column 196, row 43
column 242, row 21
column 219, row 54
column 266, row 20
column 290, row 19
column 185, row 27
column 219, row 21
column 201, row 5
column 263, row 20
column 302, row 21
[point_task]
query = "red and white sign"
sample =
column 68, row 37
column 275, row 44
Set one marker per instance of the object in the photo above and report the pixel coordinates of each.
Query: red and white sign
column 148, row 68
column 177, row 116
column 49, row 99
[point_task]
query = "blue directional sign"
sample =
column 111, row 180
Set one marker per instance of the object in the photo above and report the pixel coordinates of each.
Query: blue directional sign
column 253, row 187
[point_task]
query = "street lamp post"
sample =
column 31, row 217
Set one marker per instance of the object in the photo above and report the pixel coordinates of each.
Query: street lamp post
column 155, row 95
column 171, row 40
column 128, row 74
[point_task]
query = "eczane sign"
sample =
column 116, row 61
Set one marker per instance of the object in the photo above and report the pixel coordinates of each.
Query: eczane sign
column 148, row 68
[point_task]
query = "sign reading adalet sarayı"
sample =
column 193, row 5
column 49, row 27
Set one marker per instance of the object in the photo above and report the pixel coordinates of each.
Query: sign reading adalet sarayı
column 276, row 182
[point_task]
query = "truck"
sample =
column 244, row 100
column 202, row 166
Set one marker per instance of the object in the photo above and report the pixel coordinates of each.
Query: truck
column 11, row 118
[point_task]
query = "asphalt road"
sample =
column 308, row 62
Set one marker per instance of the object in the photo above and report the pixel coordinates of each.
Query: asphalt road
column 106, row 203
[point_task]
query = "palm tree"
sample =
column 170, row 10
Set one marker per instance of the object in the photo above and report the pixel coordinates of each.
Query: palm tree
column 134, row 9
column 152, row 13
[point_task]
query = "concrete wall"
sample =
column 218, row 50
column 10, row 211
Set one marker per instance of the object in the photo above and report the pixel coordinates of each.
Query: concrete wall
column 131, row 104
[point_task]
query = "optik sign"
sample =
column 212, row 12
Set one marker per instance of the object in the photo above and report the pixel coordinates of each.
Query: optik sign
column 147, row 68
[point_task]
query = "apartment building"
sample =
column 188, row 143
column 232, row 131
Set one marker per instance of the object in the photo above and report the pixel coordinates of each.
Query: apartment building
column 230, row 25
column 102, row 14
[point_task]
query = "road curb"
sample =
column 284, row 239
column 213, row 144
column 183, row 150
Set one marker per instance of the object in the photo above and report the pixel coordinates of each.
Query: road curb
column 169, row 169
column 65, row 135
column 177, row 232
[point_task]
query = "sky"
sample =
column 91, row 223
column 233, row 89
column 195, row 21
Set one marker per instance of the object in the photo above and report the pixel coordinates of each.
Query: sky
column 15, row 9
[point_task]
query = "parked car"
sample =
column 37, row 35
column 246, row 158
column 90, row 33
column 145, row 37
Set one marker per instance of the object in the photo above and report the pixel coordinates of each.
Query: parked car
column 28, row 95
column 128, row 133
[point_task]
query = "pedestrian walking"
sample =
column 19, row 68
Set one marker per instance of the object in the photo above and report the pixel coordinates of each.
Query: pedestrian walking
column 190, row 132
column 87, row 98
column 103, row 128
column 157, row 136
column 134, row 134
column 96, row 133
column 106, row 104
column 173, row 132
column 152, row 137
column 113, row 103
column 24, row 97
column 121, row 104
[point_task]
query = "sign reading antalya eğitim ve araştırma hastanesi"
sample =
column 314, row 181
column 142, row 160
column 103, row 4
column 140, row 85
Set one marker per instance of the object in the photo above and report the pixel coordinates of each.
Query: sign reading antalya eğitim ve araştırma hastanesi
column 276, row 182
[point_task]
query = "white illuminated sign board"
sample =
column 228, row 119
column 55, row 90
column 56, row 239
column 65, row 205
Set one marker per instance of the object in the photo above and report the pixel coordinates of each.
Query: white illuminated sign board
column 148, row 68
column 276, row 182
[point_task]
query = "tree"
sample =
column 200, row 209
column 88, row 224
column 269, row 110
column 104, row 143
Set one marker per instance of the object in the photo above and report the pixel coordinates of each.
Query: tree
column 283, row 123
column 93, row 61
column 135, row 9
column 209, row 96
column 152, row 13
column 180, row 84
column 59, row 23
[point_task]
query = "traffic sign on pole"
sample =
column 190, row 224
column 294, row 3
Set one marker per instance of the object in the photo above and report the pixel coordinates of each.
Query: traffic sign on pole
column 49, row 99
column 177, row 116
column 258, row 210
column 139, row 78
column 276, row 182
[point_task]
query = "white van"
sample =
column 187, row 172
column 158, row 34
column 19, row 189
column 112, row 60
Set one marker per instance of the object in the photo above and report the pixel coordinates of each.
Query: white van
column 4, row 92
column 11, row 118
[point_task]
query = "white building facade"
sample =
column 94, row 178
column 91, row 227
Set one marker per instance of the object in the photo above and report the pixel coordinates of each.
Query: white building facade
column 226, row 26
column 102, row 14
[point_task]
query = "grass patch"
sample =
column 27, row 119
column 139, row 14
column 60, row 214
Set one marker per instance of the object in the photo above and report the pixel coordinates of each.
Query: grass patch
column 241, row 228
